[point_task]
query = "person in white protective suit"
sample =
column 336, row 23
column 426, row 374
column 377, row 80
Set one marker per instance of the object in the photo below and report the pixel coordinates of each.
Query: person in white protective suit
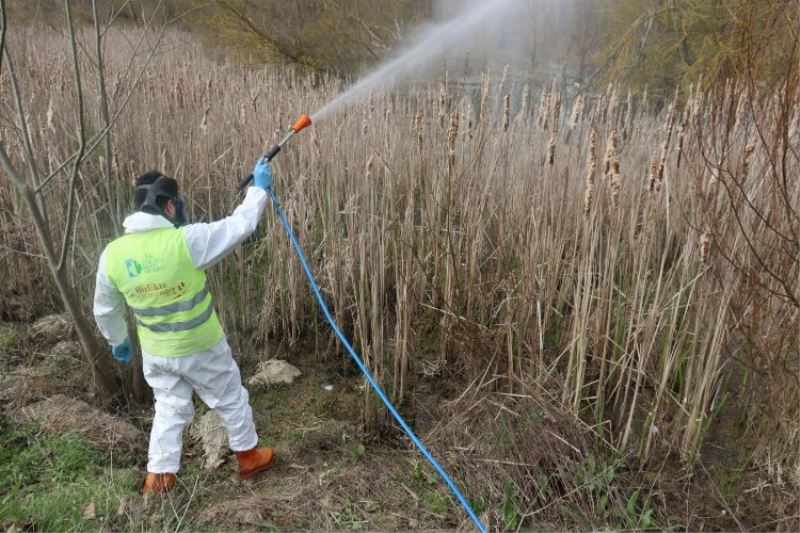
column 158, row 269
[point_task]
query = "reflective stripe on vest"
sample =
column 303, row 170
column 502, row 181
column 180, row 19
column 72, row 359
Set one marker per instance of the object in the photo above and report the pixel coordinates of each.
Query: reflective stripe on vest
column 168, row 295
column 180, row 326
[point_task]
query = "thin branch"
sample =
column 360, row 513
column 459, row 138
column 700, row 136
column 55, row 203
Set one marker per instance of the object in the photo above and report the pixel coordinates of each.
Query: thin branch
column 296, row 57
column 38, row 220
column 115, row 15
column 94, row 142
column 82, row 139
column 789, row 293
column 8, row 167
column 21, row 252
column 23, row 121
column 189, row 12
column 2, row 32
column 106, row 117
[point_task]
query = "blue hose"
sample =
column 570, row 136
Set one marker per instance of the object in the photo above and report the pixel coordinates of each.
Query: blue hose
column 360, row 363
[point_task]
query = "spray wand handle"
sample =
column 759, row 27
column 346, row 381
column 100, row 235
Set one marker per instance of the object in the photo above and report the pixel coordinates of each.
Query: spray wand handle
column 303, row 122
column 268, row 156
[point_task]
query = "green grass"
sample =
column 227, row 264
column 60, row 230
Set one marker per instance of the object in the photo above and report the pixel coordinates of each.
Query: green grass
column 47, row 482
column 599, row 483
column 9, row 337
column 436, row 501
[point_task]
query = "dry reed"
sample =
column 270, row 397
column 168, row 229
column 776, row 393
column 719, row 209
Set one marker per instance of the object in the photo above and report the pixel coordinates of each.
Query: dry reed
column 446, row 253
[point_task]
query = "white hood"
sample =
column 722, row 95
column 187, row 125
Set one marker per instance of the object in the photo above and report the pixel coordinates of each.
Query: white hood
column 141, row 221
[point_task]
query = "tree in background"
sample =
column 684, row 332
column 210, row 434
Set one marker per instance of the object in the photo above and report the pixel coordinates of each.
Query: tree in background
column 666, row 44
column 331, row 36
column 658, row 44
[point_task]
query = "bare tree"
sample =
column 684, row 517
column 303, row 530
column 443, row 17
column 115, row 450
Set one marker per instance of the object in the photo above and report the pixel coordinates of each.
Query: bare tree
column 24, row 172
column 29, row 186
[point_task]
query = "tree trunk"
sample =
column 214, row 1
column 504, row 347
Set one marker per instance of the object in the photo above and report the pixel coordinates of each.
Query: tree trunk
column 95, row 354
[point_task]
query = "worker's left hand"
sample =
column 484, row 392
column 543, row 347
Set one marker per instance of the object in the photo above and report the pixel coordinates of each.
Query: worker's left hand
column 122, row 352
column 262, row 175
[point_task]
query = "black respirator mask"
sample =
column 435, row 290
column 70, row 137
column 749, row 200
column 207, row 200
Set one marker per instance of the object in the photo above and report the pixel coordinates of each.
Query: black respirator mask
column 157, row 190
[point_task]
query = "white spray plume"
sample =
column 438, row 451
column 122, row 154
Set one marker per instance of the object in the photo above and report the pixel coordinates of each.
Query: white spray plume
column 430, row 45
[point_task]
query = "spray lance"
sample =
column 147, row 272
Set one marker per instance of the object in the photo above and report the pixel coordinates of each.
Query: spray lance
column 303, row 122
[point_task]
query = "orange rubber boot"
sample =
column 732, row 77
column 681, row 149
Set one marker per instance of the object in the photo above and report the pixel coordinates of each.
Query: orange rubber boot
column 251, row 462
column 158, row 483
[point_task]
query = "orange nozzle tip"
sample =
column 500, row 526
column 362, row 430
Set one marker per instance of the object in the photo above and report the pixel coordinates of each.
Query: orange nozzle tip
column 303, row 122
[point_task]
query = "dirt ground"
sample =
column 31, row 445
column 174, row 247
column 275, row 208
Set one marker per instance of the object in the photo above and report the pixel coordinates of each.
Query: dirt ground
column 329, row 474
column 520, row 460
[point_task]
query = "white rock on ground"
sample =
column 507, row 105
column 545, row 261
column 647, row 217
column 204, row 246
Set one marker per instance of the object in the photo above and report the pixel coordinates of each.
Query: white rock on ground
column 273, row 372
column 209, row 432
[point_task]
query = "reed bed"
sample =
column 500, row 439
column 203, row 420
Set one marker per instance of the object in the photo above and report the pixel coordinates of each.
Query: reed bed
column 586, row 242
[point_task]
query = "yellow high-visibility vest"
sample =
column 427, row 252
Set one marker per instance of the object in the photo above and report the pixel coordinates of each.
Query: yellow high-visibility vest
column 168, row 295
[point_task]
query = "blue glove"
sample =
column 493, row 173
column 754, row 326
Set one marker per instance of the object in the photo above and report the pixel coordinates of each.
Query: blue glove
column 122, row 353
column 262, row 175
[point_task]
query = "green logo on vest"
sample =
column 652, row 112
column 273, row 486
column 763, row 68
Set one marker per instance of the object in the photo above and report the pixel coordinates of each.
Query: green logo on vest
column 134, row 268
column 148, row 265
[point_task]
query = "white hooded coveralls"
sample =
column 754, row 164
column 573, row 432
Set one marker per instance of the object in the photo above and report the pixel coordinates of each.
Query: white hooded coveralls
column 212, row 373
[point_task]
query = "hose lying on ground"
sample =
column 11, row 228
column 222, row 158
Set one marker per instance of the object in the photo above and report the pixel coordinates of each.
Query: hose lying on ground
column 314, row 287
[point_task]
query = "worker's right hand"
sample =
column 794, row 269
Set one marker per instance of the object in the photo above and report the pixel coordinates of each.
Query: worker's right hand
column 122, row 352
column 262, row 175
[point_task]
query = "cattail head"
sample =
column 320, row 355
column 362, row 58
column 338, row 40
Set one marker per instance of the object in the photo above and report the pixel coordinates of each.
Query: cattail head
column 591, row 167
column 588, row 198
column 577, row 111
column 556, row 109
column 662, row 162
column 506, row 111
column 504, row 79
column 655, row 183
column 541, row 118
column 705, row 244
column 628, row 113
column 442, row 108
column 613, row 103
column 370, row 163
column 452, row 135
column 179, row 93
column 611, row 158
column 468, row 117
column 204, row 121
column 748, row 153
column 523, row 111
column 418, row 129
column 551, row 150
column 616, row 182
column 50, row 114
